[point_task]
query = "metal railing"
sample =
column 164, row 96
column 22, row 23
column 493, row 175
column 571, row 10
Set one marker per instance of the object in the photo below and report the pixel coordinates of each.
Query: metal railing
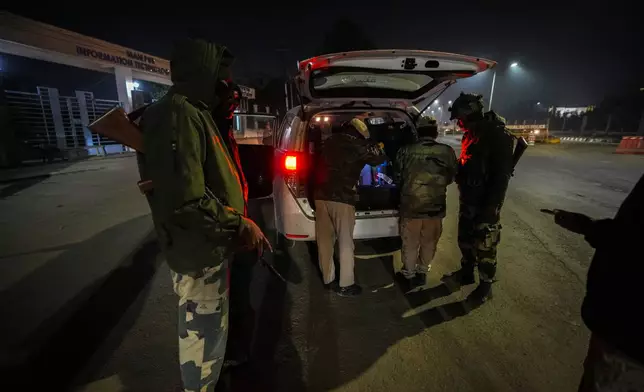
column 46, row 119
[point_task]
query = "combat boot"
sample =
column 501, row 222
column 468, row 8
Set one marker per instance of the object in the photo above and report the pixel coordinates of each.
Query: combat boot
column 464, row 276
column 482, row 293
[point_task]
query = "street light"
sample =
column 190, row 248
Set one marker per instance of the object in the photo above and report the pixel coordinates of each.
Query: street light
column 513, row 65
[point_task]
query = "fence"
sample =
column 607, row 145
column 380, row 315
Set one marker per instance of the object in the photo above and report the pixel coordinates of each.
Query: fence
column 46, row 120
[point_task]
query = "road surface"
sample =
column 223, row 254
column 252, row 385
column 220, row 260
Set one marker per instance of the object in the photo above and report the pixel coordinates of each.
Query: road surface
column 529, row 337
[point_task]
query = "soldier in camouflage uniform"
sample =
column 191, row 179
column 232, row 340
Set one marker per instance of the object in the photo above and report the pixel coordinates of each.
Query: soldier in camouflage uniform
column 485, row 168
column 198, row 202
column 423, row 170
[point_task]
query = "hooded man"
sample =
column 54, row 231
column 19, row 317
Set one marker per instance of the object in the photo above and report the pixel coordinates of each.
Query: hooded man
column 485, row 168
column 423, row 171
column 342, row 158
column 198, row 202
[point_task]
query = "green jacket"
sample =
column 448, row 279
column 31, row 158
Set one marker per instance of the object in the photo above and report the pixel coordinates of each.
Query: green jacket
column 184, row 152
column 423, row 171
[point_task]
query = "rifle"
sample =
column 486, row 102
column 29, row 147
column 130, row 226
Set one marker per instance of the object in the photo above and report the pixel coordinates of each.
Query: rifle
column 522, row 145
column 123, row 128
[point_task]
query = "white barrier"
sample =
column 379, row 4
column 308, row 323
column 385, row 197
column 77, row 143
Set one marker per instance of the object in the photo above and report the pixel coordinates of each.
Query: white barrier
column 587, row 140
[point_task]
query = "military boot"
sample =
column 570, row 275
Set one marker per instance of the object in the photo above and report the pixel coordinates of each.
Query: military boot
column 482, row 293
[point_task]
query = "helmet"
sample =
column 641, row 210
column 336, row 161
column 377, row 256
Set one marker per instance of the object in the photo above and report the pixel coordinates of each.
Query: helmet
column 425, row 121
column 361, row 127
column 466, row 105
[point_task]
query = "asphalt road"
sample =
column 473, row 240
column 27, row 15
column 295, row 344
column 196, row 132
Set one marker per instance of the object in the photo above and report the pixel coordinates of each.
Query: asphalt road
column 529, row 337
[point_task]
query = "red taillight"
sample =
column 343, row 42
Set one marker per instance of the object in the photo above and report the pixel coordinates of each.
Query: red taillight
column 290, row 163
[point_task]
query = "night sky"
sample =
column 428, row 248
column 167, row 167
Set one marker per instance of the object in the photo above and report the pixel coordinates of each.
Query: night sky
column 569, row 56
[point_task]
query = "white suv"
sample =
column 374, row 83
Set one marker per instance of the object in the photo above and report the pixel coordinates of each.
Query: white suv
column 394, row 87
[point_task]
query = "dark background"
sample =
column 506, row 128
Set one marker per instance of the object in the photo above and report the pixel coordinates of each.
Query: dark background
column 569, row 55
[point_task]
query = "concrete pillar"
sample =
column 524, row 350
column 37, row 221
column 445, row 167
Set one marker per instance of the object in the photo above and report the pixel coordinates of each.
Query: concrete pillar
column 82, row 97
column 124, row 86
column 57, row 116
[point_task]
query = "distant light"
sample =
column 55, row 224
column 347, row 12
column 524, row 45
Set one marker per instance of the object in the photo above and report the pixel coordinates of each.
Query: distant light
column 436, row 102
column 538, row 103
column 432, row 112
column 317, row 119
column 135, row 85
column 440, row 108
column 326, row 119
column 536, row 131
column 449, row 102
column 514, row 65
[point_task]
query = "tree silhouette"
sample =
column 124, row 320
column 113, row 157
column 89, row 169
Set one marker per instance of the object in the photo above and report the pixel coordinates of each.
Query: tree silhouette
column 345, row 36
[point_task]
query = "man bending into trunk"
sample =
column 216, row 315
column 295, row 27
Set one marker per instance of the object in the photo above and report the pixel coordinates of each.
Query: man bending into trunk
column 342, row 158
column 423, row 171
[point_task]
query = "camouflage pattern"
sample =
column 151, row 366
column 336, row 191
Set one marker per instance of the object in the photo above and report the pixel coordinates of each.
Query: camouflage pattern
column 423, row 171
column 485, row 163
column 203, row 326
column 485, row 168
column 478, row 241
column 466, row 105
column 606, row 369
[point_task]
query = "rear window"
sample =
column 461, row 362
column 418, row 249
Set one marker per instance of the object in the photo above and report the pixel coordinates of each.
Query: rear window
column 367, row 83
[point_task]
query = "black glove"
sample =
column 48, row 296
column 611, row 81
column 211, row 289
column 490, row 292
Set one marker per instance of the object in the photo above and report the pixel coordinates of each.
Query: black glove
column 573, row 221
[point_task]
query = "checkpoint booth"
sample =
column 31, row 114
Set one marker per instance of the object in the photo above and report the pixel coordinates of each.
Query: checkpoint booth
column 62, row 121
column 533, row 133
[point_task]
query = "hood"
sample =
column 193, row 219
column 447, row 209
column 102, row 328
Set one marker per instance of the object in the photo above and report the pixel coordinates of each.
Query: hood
column 196, row 67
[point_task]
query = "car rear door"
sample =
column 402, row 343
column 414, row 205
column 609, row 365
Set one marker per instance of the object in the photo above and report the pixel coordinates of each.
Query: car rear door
column 254, row 136
column 409, row 79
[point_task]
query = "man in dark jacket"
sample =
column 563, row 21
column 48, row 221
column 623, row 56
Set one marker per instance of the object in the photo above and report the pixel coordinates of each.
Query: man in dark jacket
column 613, row 303
column 423, row 170
column 343, row 156
column 485, row 168
column 197, row 202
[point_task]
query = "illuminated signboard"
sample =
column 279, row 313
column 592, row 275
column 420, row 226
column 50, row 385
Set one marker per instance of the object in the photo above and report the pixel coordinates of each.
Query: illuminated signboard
column 568, row 111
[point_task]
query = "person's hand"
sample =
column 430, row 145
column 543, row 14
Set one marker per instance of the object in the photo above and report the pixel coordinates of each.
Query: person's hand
column 252, row 236
column 573, row 221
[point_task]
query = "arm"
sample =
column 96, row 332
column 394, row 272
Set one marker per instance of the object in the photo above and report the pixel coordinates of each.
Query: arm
column 399, row 166
column 499, row 168
column 189, row 184
column 371, row 153
column 453, row 165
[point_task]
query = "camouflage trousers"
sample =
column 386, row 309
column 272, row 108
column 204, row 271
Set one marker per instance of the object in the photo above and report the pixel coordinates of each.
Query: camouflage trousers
column 478, row 241
column 606, row 369
column 203, row 326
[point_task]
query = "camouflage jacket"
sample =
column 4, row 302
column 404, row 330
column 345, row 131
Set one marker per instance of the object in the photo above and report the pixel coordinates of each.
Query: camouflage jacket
column 341, row 160
column 485, row 164
column 423, row 171
column 184, row 153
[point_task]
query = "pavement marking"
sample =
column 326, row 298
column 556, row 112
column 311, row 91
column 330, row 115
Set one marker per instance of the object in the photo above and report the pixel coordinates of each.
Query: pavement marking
column 110, row 384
